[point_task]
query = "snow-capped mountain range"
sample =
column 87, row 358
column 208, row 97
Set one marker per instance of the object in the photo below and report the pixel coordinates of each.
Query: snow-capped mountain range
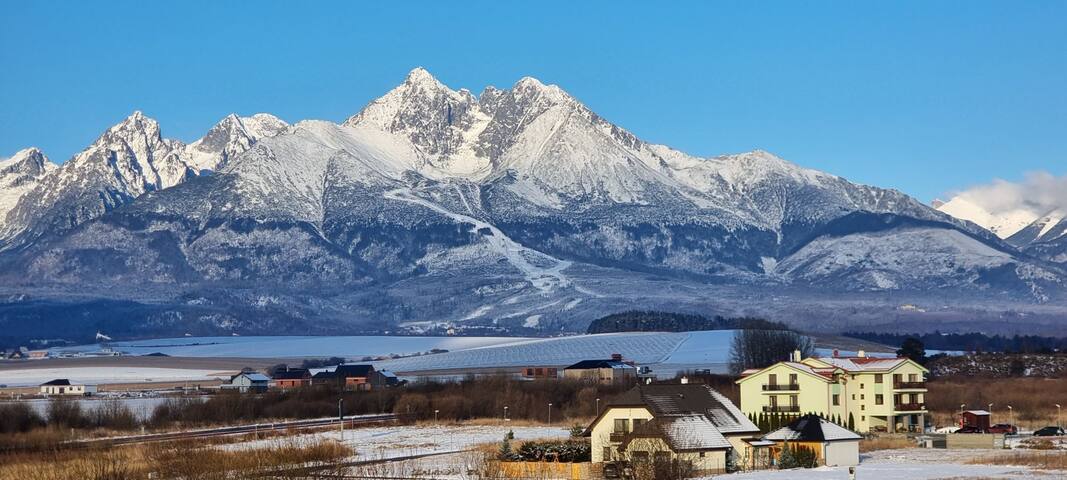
column 1038, row 230
column 517, row 208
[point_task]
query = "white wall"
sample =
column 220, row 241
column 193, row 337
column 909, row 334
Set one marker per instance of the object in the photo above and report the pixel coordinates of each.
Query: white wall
column 842, row 453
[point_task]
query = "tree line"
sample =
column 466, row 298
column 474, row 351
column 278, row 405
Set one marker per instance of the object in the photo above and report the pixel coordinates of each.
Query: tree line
column 656, row 321
column 971, row 342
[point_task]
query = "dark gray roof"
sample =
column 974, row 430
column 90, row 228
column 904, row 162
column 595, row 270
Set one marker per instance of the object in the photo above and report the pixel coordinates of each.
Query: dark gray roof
column 678, row 399
column 588, row 364
column 292, row 374
column 348, row 371
column 58, row 381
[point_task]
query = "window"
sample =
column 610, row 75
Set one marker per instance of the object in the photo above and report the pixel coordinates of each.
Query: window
column 640, row 457
column 793, row 400
column 862, row 397
column 607, row 453
column 638, row 422
column 863, row 407
column 774, row 400
column 878, row 399
column 773, row 379
column 622, row 425
column 878, row 378
column 912, row 377
column 861, row 386
column 837, row 399
column 792, row 379
column 863, row 418
column 853, row 396
column 897, row 378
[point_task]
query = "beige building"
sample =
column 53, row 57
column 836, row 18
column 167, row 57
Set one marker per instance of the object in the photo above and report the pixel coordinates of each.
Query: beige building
column 613, row 371
column 687, row 422
column 881, row 394
column 62, row 386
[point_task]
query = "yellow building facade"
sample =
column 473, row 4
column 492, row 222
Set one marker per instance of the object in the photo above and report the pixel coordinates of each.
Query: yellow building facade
column 881, row 394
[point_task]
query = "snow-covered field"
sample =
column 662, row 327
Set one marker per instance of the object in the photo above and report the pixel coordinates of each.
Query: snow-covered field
column 909, row 464
column 295, row 346
column 111, row 374
column 662, row 351
column 142, row 408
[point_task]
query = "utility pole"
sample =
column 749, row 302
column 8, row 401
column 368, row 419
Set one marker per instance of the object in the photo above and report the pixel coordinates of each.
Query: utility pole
column 550, row 413
column 1011, row 419
column 597, row 413
column 341, row 416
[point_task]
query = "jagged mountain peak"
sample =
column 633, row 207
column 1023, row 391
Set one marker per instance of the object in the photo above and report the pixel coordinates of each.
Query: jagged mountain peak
column 27, row 160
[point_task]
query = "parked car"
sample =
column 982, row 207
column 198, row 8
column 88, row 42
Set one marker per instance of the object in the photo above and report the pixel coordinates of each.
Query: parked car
column 1049, row 432
column 970, row 429
column 1004, row 428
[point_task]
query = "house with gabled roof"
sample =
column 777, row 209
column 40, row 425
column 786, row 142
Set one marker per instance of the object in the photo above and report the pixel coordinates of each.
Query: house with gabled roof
column 878, row 394
column 610, row 371
column 688, row 422
column 833, row 444
column 291, row 378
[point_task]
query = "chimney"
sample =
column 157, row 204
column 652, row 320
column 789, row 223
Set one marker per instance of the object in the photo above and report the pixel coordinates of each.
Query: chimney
column 796, row 355
column 685, row 380
column 837, row 353
column 861, row 354
column 616, row 357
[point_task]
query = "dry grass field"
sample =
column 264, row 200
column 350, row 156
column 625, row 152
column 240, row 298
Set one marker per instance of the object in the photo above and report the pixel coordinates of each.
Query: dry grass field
column 172, row 460
column 1033, row 400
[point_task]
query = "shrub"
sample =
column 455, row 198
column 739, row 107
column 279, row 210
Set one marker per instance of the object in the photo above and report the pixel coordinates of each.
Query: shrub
column 564, row 451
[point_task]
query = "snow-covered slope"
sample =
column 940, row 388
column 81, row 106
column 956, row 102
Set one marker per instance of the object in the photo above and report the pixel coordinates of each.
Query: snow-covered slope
column 1004, row 223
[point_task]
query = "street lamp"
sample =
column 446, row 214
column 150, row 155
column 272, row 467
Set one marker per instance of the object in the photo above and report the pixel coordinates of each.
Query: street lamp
column 341, row 416
column 550, row 413
column 435, row 412
column 1011, row 418
column 597, row 407
column 505, row 413
column 1058, row 423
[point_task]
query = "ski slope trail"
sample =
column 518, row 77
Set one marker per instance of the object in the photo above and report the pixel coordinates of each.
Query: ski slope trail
column 545, row 278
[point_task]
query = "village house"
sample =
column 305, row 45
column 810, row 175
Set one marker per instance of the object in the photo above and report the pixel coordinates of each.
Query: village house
column 292, row 378
column 356, row 377
column 613, row 371
column 688, row 422
column 245, row 382
column 63, row 386
column 834, row 445
column 866, row 393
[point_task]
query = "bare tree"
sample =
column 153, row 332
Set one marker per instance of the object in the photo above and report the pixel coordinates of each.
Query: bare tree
column 761, row 348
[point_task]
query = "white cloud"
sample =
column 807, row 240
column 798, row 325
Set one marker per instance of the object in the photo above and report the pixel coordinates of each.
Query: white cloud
column 1039, row 192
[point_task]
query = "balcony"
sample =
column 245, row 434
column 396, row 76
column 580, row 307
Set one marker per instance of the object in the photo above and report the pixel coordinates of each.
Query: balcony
column 792, row 387
column 616, row 437
column 781, row 408
column 909, row 385
column 909, row 407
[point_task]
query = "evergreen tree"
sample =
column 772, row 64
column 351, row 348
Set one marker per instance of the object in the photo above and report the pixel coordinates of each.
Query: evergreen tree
column 851, row 422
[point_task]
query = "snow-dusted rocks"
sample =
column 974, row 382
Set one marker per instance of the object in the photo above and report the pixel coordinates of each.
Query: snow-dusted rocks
column 18, row 175
column 128, row 160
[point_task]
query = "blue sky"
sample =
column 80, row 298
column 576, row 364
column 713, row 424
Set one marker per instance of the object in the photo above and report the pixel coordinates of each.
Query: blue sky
column 926, row 97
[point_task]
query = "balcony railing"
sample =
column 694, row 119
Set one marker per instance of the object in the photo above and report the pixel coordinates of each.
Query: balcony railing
column 903, row 385
column 775, row 387
column 616, row 437
column 909, row 407
column 781, row 408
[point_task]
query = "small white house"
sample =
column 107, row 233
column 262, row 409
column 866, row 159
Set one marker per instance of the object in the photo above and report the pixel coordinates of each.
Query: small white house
column 62, row 386
column 834, row 445
column 245, row 382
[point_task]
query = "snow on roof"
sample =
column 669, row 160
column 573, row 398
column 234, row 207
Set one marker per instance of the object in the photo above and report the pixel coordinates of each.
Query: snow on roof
column 863, row 364
column 812, row 428
column 977, row 412
column 256, row 377
column 688, row 399
column 682, row 433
